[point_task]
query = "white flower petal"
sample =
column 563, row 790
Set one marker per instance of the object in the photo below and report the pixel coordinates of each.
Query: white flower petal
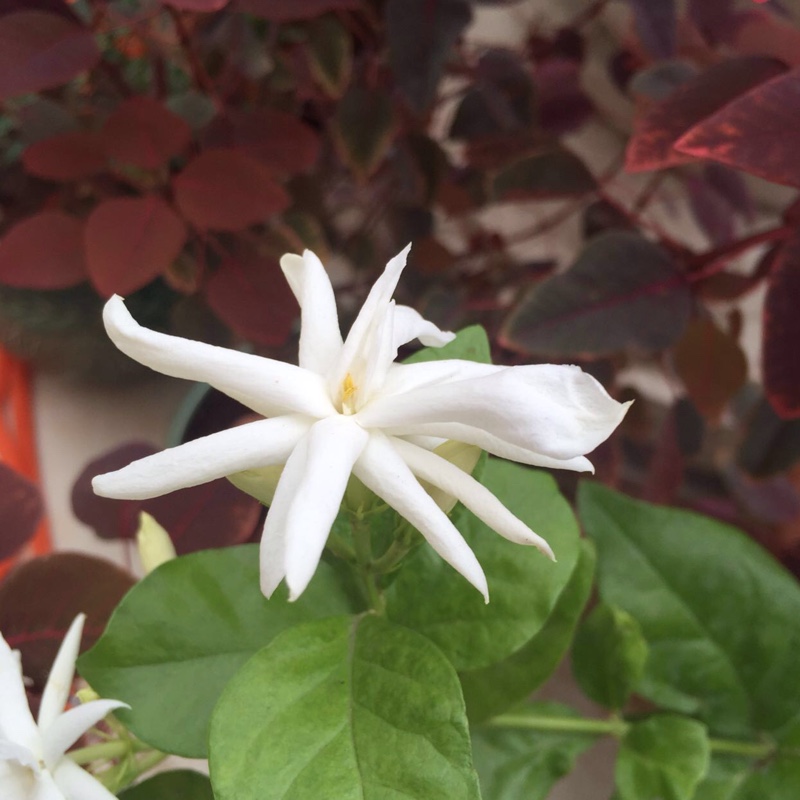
column 45, row 788
column 267, row 386
column 474, row 495
column 320, row 338
column 557, row 411
column 16, row 722
column 66, row 729
column 410, row 324
column 59, row 681
column 312, row 502
column 262, row 443
column 381, row 469
column 403, row 378
column 78, row 784
column 11, row 751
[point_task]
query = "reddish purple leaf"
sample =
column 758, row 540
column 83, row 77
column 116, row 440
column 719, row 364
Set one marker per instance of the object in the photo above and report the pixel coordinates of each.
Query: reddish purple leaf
column 197, row 5
column 249, row 293
column 292, row 10
column 66, row 157
column 143, row 132
column 44, row 251
column 39, row 50
column 752, row 132
column 662, row 124
column 20, row 510
column 131, row 240
column 227, row 190
column 781, row 365
column 713, row 18
column 213, row 514
column 755, row 31
column 563, row 106
column 40, row 598
column 711, row 210
column 656, row 24
column 279, row 140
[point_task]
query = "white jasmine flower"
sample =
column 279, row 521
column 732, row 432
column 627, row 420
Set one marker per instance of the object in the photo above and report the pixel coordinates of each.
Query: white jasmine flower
column 349, row 409
column 32, row 761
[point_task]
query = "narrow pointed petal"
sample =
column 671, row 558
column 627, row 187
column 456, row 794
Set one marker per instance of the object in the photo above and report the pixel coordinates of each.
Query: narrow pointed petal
column 474, row 495
column 46, row 788
column 320, row 338
column 333, row 445
column 257, row 444
column 410, row 324
column 16, row 722
column 557, row 411
column 77, row 784
column 381, row 469
column 59, row 681
column 403, row 378
column 11, row 751
column 267, row 386
column 66, row 729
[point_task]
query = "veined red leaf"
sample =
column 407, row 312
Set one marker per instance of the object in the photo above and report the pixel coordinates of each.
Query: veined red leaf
column 756, row 31
column 752, row 133
column 661, row 125
column 781, row 365
column 227, row 190
column 131, row 240
column 143, row 132
column 39, row 50
column 292, row 10
column 249, row 293
column 68, row 156
column 44, row 251
column 20, row 510
column 34, row 621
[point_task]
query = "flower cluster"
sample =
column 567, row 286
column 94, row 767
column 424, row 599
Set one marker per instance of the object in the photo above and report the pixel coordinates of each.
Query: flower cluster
column 349, row 409
column 32, row 761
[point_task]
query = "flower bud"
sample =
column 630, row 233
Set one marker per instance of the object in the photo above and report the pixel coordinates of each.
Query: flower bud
column 155, row 546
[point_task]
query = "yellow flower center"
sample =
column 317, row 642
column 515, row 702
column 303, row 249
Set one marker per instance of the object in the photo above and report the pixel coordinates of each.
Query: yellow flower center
column 349, row 388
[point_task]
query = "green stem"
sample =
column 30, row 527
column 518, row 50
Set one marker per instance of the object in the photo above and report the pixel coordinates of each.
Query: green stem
column 106, row 751
column 362, row 543
column 394, row 554
column 618, row 728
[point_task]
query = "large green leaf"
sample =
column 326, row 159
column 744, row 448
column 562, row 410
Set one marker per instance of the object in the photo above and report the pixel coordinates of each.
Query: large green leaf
column 721, row 617
column 180, row 634
column 430, row 597
column 470, row 344
column 352, row 708
column 493, row 689
column 514, row 763
column 662, row 758
column 609, row 655
column 779, row 780
column 724, row 776
column 181, row 784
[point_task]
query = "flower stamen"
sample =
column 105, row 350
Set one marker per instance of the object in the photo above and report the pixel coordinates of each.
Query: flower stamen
column 349, row 389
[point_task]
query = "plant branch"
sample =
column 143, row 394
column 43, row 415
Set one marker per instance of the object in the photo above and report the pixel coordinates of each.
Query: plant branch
column 704, row 265
column 201, row 78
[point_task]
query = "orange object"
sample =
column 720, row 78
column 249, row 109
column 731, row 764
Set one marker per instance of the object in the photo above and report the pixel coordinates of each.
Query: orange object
column 17, row 442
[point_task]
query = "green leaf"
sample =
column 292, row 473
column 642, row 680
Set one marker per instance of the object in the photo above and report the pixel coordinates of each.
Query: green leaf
column 363, row 129
column 723, row 778
column 470, row 344
column 556, row 174
column 493, row 689
column 366, row 709
column 662, row 758
column 779, row 780
column 330, row 56
column 429, row 596
column 622, row 291
column 609, row 655
column 179, row 635
column 515, row 764
column 178, row 785
column 720, row 615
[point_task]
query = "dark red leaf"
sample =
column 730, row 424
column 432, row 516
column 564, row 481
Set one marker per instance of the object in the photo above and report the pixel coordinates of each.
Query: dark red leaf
column 711, row 365
column 546, row 175
column 66, row 157
column 420, row 35
column 771, row 445
column 20, row 510
column 213, row 514
column 249, row 293
column 623, row 291
column 665, row 470
column 131, row 240
column 751, row 133
column 711, row 210
column 40, row 598
column 661, row 125
column 656, row 24
column 143, row 132
column 563, row 105
column 772, row 500
column 755, row 31
column 292, row 10
column 44, row 251
column 729, row 286
column 712, row 17
column 39, row 50
column 227, row 190
column 197, row 5
column 279, row 140
column 781, row 365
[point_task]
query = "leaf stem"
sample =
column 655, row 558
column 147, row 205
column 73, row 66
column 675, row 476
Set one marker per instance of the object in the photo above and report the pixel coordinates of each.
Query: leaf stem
column 362, row 544
column 618, row 728
column 709, row 263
